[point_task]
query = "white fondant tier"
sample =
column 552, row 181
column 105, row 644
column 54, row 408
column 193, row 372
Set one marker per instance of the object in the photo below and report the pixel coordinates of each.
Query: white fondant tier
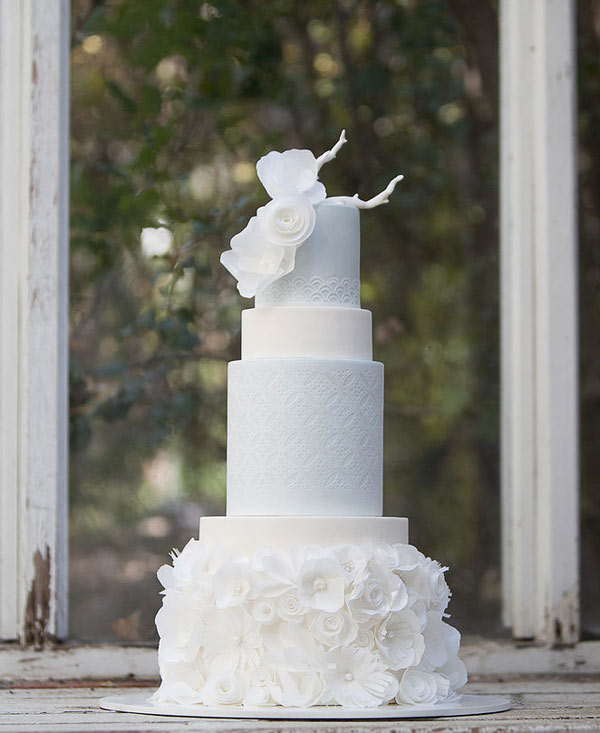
column 305, row 437
column 247, row 535
column 307, row 331
column 327, row 269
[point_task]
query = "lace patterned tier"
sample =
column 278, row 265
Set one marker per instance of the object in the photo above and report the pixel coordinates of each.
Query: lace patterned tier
column 298, row 290
column 305, row 437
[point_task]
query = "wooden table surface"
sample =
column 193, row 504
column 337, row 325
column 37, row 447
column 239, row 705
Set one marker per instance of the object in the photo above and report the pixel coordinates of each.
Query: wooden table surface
column 558, row 703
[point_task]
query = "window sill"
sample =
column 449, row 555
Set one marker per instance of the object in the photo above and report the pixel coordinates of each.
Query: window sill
column 483, row 657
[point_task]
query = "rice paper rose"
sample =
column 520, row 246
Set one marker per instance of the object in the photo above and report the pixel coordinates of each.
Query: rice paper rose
column 334, row 629
column 380, row 593
column 417, row 688
column 289, row 607
column 256, row 262
column 222, row 689
column 355, row 678
column 264, row 611
column 287, row 221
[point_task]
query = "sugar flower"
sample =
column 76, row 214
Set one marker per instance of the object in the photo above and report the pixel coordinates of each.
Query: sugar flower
column 321, row 584
column 265, row 250
column 222, row 689
column 232, row 584
column 354, row 678
column 399, row 639
column 417, row 688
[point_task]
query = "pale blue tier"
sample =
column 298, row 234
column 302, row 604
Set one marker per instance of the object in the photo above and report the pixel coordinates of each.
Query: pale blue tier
column 327, row 270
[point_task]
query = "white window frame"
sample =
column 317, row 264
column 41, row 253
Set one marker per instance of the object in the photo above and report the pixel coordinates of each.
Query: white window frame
column 539, row 344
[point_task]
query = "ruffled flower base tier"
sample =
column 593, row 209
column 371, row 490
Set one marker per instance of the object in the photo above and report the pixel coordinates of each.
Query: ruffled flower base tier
column 354, row 626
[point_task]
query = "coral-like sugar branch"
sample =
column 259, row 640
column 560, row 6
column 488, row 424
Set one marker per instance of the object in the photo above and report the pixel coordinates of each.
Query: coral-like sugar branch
column 331, row 154
column 381, row 198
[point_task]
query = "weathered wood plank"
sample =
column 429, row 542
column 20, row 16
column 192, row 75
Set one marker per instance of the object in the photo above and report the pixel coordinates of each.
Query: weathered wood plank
column 34, row 81
column 539, row 320
column 112, row 662
column 544, row 705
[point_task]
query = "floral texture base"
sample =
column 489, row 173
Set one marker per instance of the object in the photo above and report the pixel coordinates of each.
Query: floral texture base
column 351, row 625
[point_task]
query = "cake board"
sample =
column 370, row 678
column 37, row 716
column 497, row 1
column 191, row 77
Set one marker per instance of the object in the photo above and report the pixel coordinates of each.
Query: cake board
column 464, row 705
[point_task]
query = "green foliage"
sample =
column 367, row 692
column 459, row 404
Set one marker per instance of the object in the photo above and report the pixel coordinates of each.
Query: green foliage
column 172, row 103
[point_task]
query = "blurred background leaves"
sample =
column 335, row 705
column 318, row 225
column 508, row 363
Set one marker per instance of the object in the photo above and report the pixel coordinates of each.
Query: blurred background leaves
column 173, row 101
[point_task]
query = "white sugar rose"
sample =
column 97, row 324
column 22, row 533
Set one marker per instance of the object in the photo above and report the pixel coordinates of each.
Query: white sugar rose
column 289, row 607
column 399, row 639
column 355, row 678
column 365, row 637
column 417, row 688
column 321, row 584
column 379, row 594
column 222, row 689
column 287, row 221
column 254, row 261
column 264, row 611
column 291, row 172
column 333, row 629
column 232, row 583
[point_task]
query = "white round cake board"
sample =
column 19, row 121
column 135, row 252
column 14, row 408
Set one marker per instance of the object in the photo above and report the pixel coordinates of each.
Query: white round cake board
column 465, row 705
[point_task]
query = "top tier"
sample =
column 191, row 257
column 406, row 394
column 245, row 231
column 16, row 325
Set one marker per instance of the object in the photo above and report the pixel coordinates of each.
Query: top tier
column 327, row 268
column 303, row 247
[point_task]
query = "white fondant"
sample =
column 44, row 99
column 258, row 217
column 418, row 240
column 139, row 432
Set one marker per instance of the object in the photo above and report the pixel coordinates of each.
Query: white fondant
column 308, row 331
column 246, row 535
column 330, row 256
column 305, row 437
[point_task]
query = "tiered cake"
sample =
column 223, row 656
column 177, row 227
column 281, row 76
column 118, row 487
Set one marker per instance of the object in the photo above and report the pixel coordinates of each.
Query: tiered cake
column 304, row 594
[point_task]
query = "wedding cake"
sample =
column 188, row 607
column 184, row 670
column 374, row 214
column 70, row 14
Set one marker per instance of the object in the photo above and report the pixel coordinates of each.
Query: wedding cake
column 304, row 594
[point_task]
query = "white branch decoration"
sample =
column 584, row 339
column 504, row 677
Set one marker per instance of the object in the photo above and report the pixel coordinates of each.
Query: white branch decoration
column 330, row 154
column 381, row 198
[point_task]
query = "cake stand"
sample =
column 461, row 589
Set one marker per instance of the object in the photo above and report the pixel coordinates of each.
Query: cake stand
column 464, row 705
